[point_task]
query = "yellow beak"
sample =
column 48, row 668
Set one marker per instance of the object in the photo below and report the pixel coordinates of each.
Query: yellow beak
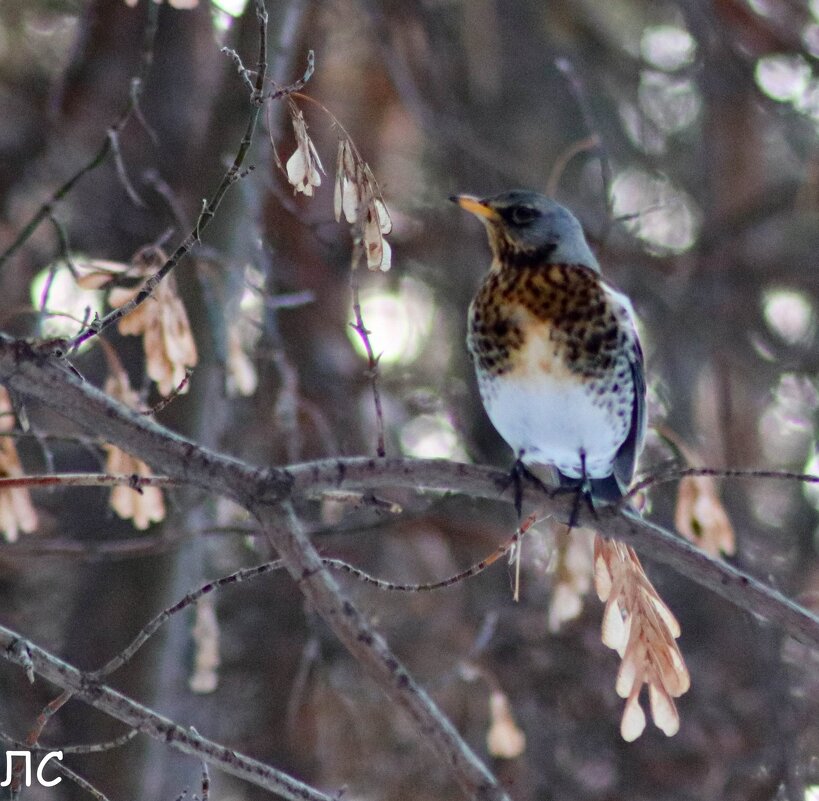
column 476, row 207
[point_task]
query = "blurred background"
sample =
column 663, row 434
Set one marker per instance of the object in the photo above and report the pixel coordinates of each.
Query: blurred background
column 683, row 135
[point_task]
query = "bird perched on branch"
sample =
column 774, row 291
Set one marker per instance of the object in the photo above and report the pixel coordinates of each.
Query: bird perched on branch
column 555, row 348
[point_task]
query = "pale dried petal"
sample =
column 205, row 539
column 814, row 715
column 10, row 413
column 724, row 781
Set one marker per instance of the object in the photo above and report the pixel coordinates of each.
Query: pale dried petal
column 671, row 622
column 633, row 722
column 350, row 200
column 297, row 171
column 504, row 739
column 630, row 674
column 673, row 672
column 386, row 256
column 701, row 518
column 241, row 377
column 383, row 216
column 614, row 632
column 340, row 179
column 314, row 165
column 602, row 574
column 304, row 167
column 350, row 165
column 96, row 273
column 565, row 604
column 16, row 510
column 206, row 660
column 8, row 520
column 6, row 410
column 141, row 508
column 23, row 509
column 663, row 711
column 177, row 339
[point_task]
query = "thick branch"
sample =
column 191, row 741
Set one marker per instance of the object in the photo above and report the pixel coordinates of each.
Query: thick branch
column 145, row 720
column 36, row 376
column 371, row 650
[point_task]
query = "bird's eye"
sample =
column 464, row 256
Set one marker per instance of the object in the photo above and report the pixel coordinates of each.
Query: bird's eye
column 523, row 214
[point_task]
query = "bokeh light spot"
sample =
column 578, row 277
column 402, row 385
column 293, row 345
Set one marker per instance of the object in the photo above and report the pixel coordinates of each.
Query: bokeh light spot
column 783, row 77
column 811, row 493
column 790, row 315
column 656, row 211
column 431, row 436
column 671, row 102
column 68, row 305
column 667, row 47
column 400, row 322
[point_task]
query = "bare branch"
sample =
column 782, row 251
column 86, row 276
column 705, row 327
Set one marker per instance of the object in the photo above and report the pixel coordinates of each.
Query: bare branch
column 372, row 360
column 134, row 481
column 149, row 722
column 35, row 375
column 27, row 371
column 107, row 146
column 372, row 652
column 233, row 174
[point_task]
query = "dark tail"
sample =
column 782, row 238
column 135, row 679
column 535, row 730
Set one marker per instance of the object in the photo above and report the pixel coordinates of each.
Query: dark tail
column 601, row 490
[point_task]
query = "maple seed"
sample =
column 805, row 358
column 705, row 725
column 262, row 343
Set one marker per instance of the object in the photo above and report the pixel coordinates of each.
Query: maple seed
column 304, row 166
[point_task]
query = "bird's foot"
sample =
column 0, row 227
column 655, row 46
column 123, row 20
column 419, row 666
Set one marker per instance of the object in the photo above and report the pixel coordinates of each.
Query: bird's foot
column 519, row 474
column 581, row 491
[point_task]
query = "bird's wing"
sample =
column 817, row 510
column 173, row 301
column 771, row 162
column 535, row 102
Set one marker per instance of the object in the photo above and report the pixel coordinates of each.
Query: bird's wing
column 626, row 458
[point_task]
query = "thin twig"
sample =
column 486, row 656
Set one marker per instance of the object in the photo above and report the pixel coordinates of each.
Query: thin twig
column 209, row 209
column 372, row 360
column 372, row 652
column 47, row 208
column 472, row 570
column 82, row 783
column 581, row 146
column 122, row 172
column 249, row 573
column 86, row 748
column 158, row 407
column 147, row 721
column 134, row 481
column 716, row 472
column 124, row 656
column 26, row 371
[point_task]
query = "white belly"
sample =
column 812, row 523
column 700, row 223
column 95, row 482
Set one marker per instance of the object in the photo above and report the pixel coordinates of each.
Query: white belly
column 555, row 422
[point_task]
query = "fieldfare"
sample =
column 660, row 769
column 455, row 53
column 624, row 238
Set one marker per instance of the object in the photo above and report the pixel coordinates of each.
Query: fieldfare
column 555, row 348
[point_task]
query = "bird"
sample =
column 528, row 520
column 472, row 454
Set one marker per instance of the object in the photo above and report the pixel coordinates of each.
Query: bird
column 556, row 350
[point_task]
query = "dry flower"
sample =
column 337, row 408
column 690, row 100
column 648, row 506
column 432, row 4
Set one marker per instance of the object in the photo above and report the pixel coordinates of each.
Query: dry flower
column 241, row 377
column 98, row 273
column 504, row 739
column 643, row 631
column 143, row 507
column 206, row 660
column 573, row 565
column 17, row 513
column 161, row 320
column 359, row 199
column 304, row 166
column 700, row 516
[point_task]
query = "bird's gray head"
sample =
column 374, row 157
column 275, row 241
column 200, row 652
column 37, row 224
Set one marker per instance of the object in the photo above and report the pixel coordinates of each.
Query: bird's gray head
column 528, row 228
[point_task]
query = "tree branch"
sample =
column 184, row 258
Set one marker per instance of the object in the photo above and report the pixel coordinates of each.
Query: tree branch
column 145, row 720
column 233, row 174
column 33, row 374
